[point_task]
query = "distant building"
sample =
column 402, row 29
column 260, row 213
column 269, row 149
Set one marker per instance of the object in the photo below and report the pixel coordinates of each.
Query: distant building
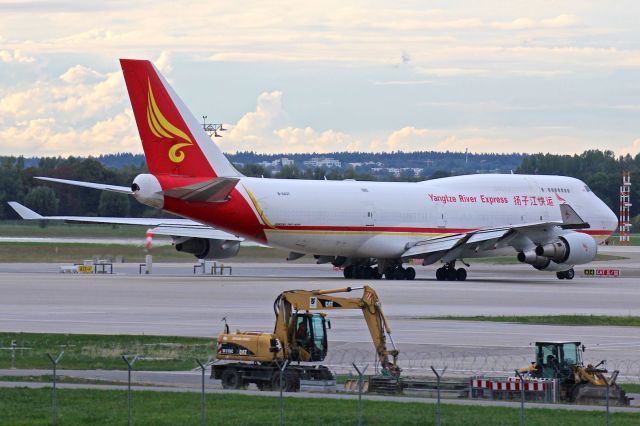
column 323, row 162
column 286, row 162
column 397, row 171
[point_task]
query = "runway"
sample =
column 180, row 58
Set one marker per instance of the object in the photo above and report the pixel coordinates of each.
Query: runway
column 174, row 301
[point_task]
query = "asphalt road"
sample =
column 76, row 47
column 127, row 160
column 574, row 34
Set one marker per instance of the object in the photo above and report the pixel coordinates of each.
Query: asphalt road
column 174, row 301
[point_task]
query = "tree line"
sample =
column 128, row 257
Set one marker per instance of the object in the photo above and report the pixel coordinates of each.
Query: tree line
column 601, row 170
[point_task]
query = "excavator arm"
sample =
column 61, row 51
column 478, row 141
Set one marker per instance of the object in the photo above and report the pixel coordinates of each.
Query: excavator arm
column 289, row 303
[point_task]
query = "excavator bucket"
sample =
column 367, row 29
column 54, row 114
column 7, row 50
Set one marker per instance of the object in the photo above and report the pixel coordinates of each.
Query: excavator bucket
column 588, row 394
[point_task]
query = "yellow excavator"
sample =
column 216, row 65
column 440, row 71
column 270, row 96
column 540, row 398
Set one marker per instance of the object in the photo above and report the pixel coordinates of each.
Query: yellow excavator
column 299, row 337
column 578, row 383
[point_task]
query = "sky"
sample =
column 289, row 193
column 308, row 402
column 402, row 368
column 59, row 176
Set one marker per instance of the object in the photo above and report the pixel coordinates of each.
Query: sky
column 558, row 76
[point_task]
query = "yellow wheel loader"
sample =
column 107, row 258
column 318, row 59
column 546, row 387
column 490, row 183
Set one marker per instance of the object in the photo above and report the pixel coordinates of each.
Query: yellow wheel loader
column 577, row 383
column 300, row 337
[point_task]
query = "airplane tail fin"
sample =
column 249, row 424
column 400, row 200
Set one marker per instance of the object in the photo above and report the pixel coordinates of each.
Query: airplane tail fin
column 173, row 140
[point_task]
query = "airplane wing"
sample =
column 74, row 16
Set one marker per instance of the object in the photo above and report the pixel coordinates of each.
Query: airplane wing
column 172, row 227
column 449, row 246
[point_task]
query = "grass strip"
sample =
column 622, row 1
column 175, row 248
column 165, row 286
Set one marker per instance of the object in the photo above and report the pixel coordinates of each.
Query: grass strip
column 87, row 351
column 512, row 260
column 61, row 378
column 77, row 252
column 597, row 320
column 101, row 407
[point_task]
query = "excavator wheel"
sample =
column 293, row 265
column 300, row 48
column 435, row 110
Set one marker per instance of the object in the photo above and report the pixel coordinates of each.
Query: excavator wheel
column 588, row 394
column 264, row 386
column 290, row 381
column 231, row 379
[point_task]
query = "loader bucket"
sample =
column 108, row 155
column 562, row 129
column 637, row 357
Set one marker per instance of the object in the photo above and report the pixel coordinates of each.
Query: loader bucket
column 588, row 394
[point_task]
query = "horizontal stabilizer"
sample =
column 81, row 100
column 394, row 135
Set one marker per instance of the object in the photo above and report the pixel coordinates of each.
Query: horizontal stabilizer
column 210, row 191
column 101, row 186
column 25, row 212
column 163, row 226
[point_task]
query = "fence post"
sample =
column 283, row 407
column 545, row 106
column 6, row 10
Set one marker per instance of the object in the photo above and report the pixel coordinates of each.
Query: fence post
column 521, row 397
column 606, row 421
column 360, row 387
column 284, row 366
column 438, row 376
column 13, row 354
column 54, row 406
column 203, row 368
column 130, row 361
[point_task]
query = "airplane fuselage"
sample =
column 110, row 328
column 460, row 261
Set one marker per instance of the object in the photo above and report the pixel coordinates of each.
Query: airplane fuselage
column 380, row 219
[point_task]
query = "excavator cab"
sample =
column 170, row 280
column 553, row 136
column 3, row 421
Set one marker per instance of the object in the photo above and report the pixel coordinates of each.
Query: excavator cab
column 310, row 335
column 557, row 359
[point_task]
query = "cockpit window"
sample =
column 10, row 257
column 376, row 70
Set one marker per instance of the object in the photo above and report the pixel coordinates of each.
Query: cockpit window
column 586, row 188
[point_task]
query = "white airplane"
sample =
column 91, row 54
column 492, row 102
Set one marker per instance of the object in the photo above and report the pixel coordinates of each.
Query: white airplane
column 369, row 228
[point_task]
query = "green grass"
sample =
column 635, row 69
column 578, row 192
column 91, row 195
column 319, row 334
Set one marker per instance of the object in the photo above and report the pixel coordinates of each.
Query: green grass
column 76, row 252
column 23, row 228
column 83, row 351
column 46, row 378
column 100, row 407
column 598, row 320
column 631, row 387
column 512, row 260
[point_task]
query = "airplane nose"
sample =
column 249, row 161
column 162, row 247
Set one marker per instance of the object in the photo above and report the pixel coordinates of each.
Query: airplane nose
column 611, row 221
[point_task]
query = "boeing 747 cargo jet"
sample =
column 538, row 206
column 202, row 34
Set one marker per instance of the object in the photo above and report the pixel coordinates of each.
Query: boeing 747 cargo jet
column 370, row 229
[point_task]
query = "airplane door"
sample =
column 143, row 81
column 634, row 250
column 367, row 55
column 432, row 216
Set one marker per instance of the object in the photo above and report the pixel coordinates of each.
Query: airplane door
column 369, row 208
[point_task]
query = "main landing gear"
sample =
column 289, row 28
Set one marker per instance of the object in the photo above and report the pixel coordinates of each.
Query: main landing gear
column 361, row 272
column 396, row 272
column 566, row 275
column 449, row 273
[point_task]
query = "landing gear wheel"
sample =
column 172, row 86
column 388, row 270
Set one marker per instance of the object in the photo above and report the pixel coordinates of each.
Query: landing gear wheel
column 461, row 274
column 561, row 275
column 290, row 381
column 409, row 274
column 367, row 273
column 441, row 274
column 399, row 274
column 231, row 379
column 450, row 274
column 375, row 274
column 348, row 272
column 569, row 274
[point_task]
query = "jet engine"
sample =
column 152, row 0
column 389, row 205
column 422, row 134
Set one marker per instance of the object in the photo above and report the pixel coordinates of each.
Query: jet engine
column 569, row 249
column 209, row 249
column 572, row 248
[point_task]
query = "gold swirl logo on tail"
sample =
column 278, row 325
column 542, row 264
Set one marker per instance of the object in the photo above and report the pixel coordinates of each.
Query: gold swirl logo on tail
column 162, row 128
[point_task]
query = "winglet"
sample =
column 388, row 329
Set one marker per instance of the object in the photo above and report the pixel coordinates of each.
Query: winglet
column 25, row 212
column 571, row 219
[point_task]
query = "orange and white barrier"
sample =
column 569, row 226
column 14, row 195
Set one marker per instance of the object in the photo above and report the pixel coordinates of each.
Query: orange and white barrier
column 149, row 240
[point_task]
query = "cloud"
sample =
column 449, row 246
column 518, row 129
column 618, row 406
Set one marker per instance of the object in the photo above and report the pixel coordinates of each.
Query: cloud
column 516, row 24
column 163, row 63
column 80, row 112
column 15, row 56
column 633, row 149
column 560, row 21
column 452, row 72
